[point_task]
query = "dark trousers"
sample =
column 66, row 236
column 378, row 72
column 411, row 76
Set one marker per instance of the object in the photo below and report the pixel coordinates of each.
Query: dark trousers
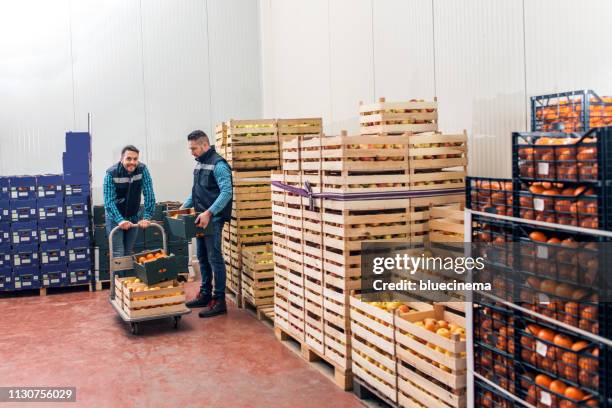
column 212, row 265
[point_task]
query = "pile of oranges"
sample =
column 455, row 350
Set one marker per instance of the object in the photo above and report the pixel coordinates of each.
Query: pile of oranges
column 152, row 256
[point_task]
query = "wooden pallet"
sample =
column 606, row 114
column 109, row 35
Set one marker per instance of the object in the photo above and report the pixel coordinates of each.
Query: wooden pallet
column 385, row 117
column 342, row 376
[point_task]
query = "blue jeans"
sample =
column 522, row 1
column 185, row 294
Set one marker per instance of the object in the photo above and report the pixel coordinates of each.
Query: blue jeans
column 123, row 240
column 212, row 265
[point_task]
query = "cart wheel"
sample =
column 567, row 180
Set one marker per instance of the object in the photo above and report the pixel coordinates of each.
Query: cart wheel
column 177, row 319
column 134, row 328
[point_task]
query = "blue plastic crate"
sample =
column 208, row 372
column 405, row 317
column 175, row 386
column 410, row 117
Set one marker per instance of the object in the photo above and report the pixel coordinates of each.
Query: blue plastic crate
column 23, row 210
column 5, row 190
column 78, row 251
column 50, row 186
column 78, row 144
column 79, row 272
column 26, row 278
column 25, row 256
column 24, row 233
column 5, row 211
column 53, row 254
column 5, row 234
column 76, row 164
column 53, row 276
column 77, row 207
column 51, row 209
column 77, row 229
column 77, row 185
column 51, row 232
column 6, row 282
column 23, row 187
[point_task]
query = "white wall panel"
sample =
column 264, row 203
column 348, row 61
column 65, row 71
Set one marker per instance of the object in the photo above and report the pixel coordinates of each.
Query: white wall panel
column 36, row 106
column 568, row 46
column 298, row 79
column 235, row 60
column 177, row 98
column 403, row 49
column 480, row 77
column 352, row 66
column 108, row 79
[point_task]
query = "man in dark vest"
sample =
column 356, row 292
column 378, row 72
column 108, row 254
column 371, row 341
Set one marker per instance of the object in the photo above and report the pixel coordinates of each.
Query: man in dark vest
column 124, row 184
column 211, row 195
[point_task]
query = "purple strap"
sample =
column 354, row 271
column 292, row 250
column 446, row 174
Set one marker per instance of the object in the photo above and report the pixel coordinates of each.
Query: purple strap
column 380, row 195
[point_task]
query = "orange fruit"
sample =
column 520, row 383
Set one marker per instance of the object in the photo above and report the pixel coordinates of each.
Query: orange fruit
column 538, row 236
column 558, row 386
column 142, row 259
column 543, row 380
column 573, row 393
column 546, row 335
column 150, row 256
column 563, row 341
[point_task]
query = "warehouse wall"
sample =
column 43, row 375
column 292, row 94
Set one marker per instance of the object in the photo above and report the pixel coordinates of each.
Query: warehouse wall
column 148, row 72
column 483, row 59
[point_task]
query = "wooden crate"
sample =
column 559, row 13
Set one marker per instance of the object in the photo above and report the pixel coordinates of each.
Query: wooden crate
column 446, row 224
column 252, row 198
column 385, row 117
column 140, row 300
column 373, row 343
column 431, row 368
column 301, row 128
column 258, row 275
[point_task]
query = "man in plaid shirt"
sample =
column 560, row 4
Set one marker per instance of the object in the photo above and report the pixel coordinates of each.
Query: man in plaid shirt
column 124, row 184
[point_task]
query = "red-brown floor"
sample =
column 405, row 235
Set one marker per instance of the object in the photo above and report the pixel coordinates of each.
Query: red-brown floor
column 76, row 339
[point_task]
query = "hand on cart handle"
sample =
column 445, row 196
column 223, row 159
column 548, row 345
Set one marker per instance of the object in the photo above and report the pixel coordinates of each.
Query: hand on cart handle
column 144, row 224
column 125, row 225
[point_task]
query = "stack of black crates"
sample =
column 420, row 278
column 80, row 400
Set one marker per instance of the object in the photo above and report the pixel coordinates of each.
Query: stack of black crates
column 45, row 234
column 147, row 239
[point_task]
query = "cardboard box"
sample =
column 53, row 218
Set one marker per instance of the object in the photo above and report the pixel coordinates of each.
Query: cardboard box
column 53, row 276
column 23, row 210
column 22, row 187
column 50, row 186
column 5, row 189
column 53, row 254
column 25, row 256
column 51, row 232
column 77, row 207
column 24, row 233
column 78, row 144
column 77, row 185
column 5, row 235
column 51, row 209
column 77, row 229
column 78, row 251
column 5, row 211
column 26, row 278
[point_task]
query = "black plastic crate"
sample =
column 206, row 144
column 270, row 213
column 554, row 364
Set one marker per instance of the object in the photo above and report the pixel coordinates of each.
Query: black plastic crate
column 572, row 111
column 492, row 195
column 486, row 396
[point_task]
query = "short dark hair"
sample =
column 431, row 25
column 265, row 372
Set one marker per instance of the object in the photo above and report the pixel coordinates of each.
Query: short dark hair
column 197, row 134
column 130, row 148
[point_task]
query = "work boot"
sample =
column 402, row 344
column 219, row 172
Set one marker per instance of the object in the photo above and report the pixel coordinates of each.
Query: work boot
column 200, row 301
column 216, row 307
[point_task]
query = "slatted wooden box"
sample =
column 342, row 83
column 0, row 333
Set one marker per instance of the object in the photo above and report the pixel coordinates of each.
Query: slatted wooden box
column 258, row 275
column 385, row 117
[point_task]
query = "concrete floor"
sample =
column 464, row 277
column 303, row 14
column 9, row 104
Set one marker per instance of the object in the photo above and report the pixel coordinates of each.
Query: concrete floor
column 76, row 339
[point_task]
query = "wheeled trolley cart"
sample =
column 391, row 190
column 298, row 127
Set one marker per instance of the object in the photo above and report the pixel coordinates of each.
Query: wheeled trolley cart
column 124, row 263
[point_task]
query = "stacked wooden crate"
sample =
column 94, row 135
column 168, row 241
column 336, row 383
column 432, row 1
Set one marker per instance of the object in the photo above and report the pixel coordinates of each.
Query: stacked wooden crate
column 330, row 231
column 411, row 355
column 252, row 150
column 258, row 275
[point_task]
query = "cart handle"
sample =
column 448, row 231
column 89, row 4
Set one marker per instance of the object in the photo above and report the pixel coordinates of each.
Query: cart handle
column 110, row 250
